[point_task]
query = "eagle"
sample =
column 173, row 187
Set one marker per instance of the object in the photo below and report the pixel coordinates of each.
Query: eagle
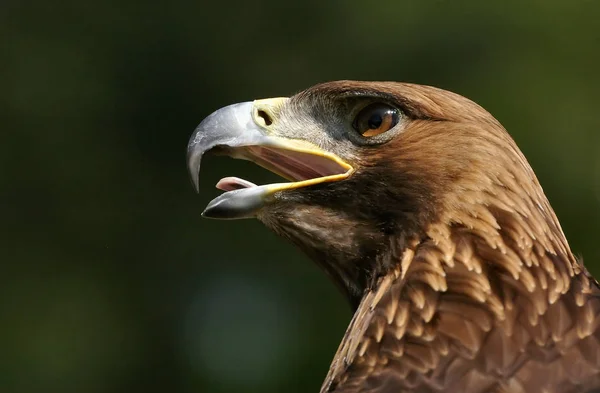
column 422, row 210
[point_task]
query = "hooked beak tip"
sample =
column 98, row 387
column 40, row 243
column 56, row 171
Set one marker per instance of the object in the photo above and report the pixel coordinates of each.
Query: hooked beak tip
column 230, row 125
column 196, row 184
column 193, row 163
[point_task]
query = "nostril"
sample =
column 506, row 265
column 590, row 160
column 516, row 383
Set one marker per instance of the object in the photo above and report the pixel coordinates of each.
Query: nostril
column 266, row 118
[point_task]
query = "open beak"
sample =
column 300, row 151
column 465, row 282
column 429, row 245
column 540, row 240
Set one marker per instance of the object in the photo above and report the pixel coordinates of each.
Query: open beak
column 246, row 131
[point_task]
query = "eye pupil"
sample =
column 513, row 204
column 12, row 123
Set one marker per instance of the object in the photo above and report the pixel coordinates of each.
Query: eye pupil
column 376, row 119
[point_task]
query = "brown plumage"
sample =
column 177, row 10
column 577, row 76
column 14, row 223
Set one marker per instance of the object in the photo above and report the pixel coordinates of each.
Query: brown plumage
column 445, row 244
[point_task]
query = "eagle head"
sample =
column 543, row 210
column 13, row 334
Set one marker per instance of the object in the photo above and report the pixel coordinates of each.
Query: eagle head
column 370, row 166
column 422, row 209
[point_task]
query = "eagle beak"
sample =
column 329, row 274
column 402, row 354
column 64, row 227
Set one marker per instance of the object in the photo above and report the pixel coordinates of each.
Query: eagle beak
column 249, row 131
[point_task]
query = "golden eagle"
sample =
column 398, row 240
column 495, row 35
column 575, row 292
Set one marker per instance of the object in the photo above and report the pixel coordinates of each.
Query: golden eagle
column 422, row 209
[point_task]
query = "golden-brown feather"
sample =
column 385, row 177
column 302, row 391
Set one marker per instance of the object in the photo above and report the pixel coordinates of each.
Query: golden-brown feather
column 483, row 334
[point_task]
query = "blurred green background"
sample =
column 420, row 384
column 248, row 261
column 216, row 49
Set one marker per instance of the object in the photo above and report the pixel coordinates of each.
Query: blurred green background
column 111, row 281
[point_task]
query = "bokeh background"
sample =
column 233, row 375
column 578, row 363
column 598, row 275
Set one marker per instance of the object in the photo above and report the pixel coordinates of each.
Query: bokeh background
column 109, row 279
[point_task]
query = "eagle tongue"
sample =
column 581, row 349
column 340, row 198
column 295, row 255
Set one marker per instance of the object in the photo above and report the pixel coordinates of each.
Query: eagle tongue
column 233, row 183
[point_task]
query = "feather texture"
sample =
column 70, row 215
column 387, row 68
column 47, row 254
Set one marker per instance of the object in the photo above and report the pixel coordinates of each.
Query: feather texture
column 489, row 298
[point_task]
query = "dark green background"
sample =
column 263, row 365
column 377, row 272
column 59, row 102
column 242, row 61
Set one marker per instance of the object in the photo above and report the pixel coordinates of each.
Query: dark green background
column 111, row 281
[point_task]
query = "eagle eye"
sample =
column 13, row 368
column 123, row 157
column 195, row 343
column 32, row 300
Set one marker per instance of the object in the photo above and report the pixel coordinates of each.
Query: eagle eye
column 376, row 119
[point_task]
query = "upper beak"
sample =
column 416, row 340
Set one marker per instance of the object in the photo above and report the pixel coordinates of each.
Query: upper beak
column 248, row 131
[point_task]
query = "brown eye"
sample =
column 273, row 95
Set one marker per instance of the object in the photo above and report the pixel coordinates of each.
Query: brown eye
column 376, row 119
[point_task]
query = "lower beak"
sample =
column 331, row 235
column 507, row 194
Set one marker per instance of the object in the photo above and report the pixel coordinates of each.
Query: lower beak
column 240, row 131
